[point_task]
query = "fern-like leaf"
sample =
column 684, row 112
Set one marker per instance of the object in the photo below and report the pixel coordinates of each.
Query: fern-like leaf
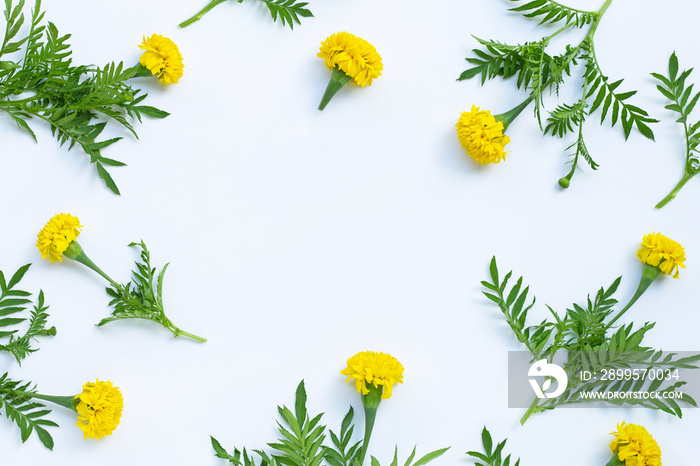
column 513, row 305
column 606, row 98
column 409, row 461
column 71, row 99
column 682, row 103
column 142, row 298
column 341, row 454
column 13, row 309
column 28, row 415
column 288, row 11
column 551, row 12
column 491, row 456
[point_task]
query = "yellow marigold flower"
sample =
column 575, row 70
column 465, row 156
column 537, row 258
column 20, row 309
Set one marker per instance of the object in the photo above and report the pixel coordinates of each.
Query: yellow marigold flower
column 352, row 55
column 662, row 252
column 482, row 136
column 99, row 409
column 378, row 369
column 635, row 446
column 162, row 58
column 57, row 235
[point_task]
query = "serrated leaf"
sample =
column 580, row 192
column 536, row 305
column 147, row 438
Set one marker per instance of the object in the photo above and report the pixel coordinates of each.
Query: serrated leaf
column 486, row 441
column 430, row 456
column 673, row 66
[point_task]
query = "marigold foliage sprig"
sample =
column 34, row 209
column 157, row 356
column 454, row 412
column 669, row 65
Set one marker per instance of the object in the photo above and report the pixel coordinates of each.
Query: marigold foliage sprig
column 535, row 71
column 13, row 304
column 342, row 453
column 674, row 88
column 142, row 298
column 288, row 11
column 98, row 408
column 583, row 334
column 29, row 415
column 301, row 442
column 425, row 459
column 491, row 456
column 76, row 101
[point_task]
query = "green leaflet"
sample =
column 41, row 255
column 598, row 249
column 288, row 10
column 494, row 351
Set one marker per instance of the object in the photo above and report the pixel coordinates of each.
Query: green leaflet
column 339, row 454
column 549, row 12
column 13, row 311
column 142, row 298
column 288, row 11
column 77, row 102
column 409, row 461
column 674, row 88
column 491, row 456
column 301, row 442
column 28, row 415
column 585, row 335
column 541, row 75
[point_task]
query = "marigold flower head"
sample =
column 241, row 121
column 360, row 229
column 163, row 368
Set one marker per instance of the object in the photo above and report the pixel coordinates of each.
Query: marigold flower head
column 57, row 235
column 378, row 369
column 662, row 252
column 99, row 409
column 482, row 136
column 162, row 58
column 352, row 55
column 635, row 446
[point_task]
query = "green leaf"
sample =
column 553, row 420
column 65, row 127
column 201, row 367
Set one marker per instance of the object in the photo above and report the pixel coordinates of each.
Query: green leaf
column 151, row 111
column 486, row 441
column 645, row 130
column 300, row 403
column 110, row 162
column 288, row 11
column 18, row 275
column 490, row 458
column 109, row 182
column 27, row 415
column 673, row 66
column 75, row 101
column 13, row 302
column 430, row 456
column 478, row 455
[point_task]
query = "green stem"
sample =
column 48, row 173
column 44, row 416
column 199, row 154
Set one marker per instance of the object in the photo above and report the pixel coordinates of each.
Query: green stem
column 556, row 33
column 649, row 274
column 69, row 402
column 17, row 103
column 370, row 403
column 530, row 411
column 508, row 117
column 75, row 252
column 201, row 13
column 591, row 32
column 565, row 181
column 672, row 195
column 599, row 16
column 337, row 81
column 615, row 461
column 575, row 9
column 179, row 332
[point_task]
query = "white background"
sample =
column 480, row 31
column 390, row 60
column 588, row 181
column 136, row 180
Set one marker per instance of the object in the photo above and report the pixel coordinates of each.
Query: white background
column 298, row 238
